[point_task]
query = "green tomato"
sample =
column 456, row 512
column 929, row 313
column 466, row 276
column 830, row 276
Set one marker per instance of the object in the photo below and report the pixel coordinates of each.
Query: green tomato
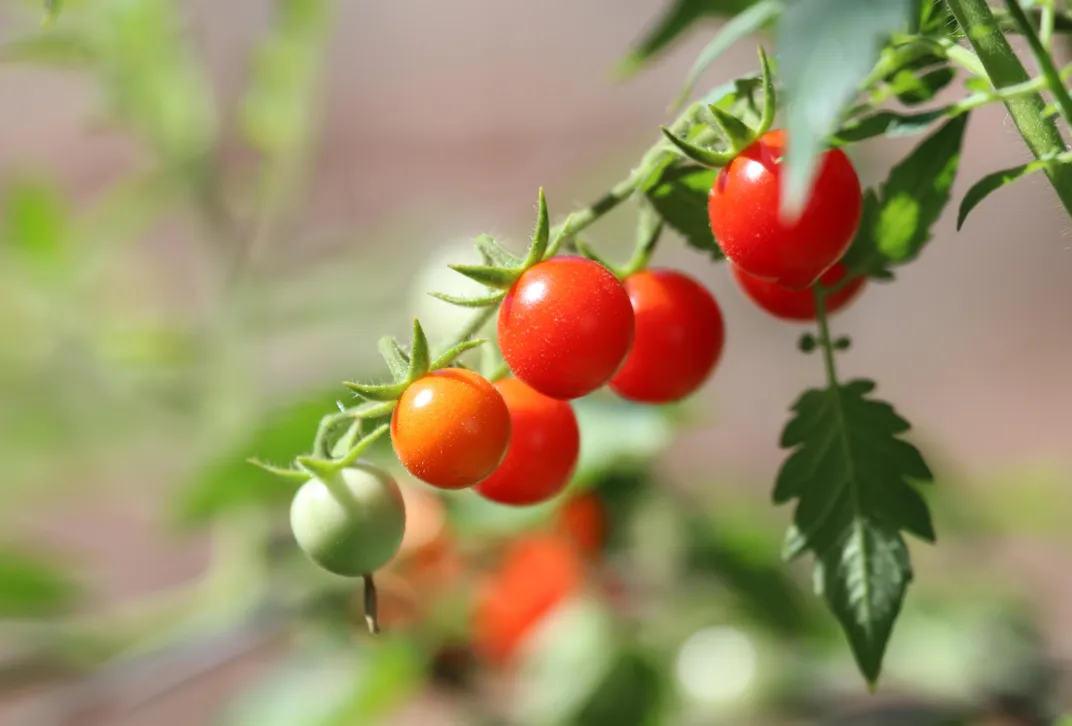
column 351, row 525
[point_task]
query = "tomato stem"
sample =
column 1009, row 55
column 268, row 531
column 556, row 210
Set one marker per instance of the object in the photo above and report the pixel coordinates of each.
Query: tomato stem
column 372, row 617
column 824, row 340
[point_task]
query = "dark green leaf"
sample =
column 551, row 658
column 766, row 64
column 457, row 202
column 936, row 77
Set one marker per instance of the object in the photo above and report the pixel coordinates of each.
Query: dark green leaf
column 679, row 18
column 896, row 223
column 852, row 476
column 52, row 48
column 991, row 183
column 680, row 198
column 886, row 123
column 746, row 23
column 34, row 223
column 820, row 83
column 32, row 587
column 227, row 482
column 912, row 88
column 631, row 694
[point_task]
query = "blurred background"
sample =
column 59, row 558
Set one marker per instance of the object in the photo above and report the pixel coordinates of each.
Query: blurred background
column 209, row 213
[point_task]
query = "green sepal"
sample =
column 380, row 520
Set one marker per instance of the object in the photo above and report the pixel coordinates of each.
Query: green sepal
column 448, row 357
column 703, row 157
column 396, row 358
column 419, row 357
column 322, row 469
column 586, row 251
column 540, row 235
column 493, row 254
column 361, row 446
column 500, row 278
column 769, row 96
column 480, row 301
column 292, row 474
column 733, row 129
column 371, row 409
column 378, row 392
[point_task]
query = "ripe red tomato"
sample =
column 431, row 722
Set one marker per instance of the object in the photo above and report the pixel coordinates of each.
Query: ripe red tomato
column 451, row 428
column 565, row 326
column 543, row 447
column 678, row 340
column 744, row 211
column 797, row 304
column 537, row 573
column 583, row 520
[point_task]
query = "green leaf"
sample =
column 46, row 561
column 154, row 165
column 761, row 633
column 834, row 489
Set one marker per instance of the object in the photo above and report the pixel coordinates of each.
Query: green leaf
column 35, row 223
column 32, row 587
column 746, row 23
column 991, row 183
column 631, row 694
column 680, row 198
column 852, row 475
column 227, row 482
column 886, row 123
column 679, row 18
column 52, row 48
column 819, row 83
column 912, row 89
column 896, row 223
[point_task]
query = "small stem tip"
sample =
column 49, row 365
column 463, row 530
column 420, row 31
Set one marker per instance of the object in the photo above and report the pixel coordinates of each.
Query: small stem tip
column 372, row 617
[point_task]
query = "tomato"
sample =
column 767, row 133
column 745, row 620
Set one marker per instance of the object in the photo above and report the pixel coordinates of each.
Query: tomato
column 797, row 304
column 351, row 525
column 744, row 212
column 679, row 337
column 538, row 573
column 565, row 326
column 583, row 520
column 543, row 447
column 450, row 428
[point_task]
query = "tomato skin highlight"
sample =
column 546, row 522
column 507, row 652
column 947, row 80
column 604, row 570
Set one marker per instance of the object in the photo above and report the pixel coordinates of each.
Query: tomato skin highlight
column 352, row 525
column 544, row 445
column 798, row 305
column 565, row 327
column 538, row 572
column 450, row 428
column 678, row 341
column 743, row 208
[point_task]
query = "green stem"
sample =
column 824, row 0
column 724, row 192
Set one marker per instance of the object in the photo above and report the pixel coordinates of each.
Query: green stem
column 1043, row 58
column 1046, row 24
column 1004, row 69
column 825, row 342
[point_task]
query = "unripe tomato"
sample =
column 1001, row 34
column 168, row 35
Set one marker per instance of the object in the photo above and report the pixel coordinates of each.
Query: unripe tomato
column 565, row 326
column 450, row 428
column 797, row 304
column 583, row 520
column 678, row 341
column 351, row 525
column 544, row 445
column 538, row 572
column 744, row 211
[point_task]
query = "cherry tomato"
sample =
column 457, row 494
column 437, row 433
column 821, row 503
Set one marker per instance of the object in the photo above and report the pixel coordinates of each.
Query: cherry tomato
column 565, row 327
column 450, row 428
column 351, row 525
column 583, row 520
column 679, row 337
column 538, row 572
column 797, row 304
column 744, row 211
column 543, row 447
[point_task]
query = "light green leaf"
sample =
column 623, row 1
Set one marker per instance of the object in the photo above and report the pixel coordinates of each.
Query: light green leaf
column 826, row 48
column 32, row 587
column 991, row 183
column 680, row 198
column 914, row 88
column 896, row 223
column 740, row 26
column 852, row 475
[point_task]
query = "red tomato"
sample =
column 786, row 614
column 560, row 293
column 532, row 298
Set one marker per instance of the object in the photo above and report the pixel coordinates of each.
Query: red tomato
column 451, row 428
column 543, row 447
column 583, row 520
column 565, row 327
column 538, row 572
column 744, row 211
column 797, row 304
column 678, row 340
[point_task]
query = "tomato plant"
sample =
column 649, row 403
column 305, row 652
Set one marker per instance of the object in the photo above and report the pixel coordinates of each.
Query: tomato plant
column 799, row 305
column 678, row 341
column 544, row 443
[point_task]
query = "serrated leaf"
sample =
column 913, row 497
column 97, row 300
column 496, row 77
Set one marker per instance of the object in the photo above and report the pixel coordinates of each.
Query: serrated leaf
column 33, row 587
column 52, row 48
column 896, row 223
column 819, row 84
column 991, row 183
column 679, row 18
column 886, row 123
column 852, row 478
column 680, row 198
column 740, row 26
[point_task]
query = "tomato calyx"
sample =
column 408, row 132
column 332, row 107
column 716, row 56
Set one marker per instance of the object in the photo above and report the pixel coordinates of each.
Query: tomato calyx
column 736, row 133
column 649, row 229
